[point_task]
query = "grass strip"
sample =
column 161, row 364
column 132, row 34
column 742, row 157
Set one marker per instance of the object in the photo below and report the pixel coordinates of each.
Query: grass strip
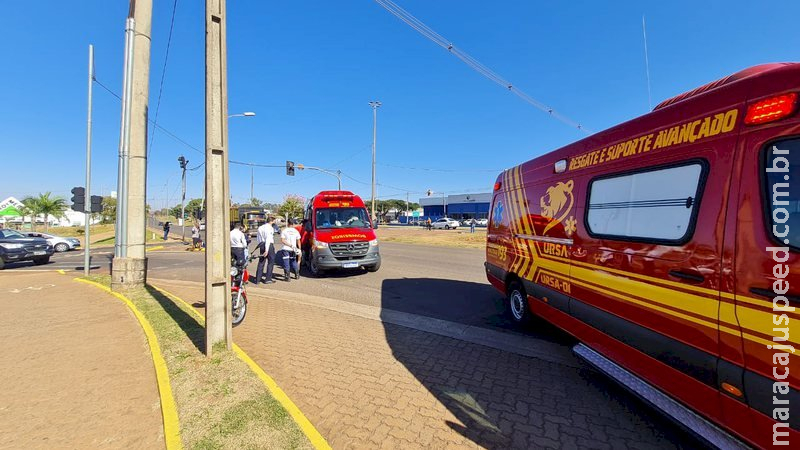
column 221, row 403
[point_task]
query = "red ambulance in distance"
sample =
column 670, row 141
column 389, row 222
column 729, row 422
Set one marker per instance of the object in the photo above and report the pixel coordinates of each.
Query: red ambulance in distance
column 669, row 246
column 339, row 234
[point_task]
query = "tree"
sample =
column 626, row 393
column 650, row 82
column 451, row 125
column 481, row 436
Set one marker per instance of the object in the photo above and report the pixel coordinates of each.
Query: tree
column 255, row 202
column 47, row 206
column 292, row 206
column 109, row 213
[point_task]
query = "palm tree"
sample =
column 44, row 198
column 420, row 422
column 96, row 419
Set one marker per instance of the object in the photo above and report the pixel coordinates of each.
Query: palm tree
column 47, row 206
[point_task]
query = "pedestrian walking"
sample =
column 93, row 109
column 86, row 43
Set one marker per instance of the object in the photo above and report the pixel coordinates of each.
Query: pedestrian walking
column 238, row 244
column 472, row 226
column 195, row 236
column 290, row 238
column 428, row 224
column 266, row 244
column 166, row 230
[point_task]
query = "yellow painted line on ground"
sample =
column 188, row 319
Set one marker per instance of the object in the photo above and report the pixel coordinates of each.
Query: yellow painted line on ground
column 169, row 412
column 302, row 421
column 154, row 248
column 61, row 271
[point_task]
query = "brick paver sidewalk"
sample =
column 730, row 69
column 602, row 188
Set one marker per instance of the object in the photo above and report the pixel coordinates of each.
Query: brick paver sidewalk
column 369, row 384
column 76, row 368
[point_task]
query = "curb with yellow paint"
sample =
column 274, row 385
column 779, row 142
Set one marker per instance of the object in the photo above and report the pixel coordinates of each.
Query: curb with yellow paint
column 169, row 411
column 302, row 421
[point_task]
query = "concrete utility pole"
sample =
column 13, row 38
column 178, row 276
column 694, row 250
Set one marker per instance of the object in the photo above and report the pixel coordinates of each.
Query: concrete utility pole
column 375, row 105
column 87, row 210
column 129, row 269
column 218, row 252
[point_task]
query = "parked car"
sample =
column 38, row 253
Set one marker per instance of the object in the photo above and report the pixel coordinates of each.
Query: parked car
column 445, row 223
column 15, row 246
column 60, row 244
column 482, row 222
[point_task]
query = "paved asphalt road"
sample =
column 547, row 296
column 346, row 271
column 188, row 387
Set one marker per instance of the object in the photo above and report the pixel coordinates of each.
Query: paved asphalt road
column 441, row 282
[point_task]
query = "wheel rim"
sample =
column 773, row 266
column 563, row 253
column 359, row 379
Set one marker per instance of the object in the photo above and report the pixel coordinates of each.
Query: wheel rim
column 61, row 247
column 517, row 304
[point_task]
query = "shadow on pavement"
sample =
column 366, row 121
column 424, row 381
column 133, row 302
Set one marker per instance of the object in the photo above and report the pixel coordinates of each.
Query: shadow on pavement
column 194, row 331
column 504, row 400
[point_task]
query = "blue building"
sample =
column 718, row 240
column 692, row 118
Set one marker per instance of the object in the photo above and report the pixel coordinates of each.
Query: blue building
column 460, row 206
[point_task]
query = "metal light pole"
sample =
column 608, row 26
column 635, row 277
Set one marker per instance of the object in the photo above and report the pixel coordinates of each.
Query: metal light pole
column 87, row 200
column 337, row 174
column 120, row 249
column 183, row 162
column 375, row 105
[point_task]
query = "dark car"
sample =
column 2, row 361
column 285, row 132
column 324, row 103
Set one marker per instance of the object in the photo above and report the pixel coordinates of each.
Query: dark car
column 15, row 246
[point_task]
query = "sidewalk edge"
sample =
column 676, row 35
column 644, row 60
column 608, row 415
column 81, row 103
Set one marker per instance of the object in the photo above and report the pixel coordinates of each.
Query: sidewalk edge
column 302, row 421
column 169, row 412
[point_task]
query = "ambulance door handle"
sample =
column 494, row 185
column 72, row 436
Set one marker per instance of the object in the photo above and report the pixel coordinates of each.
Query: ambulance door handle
column 687, row 276
column 769, row 293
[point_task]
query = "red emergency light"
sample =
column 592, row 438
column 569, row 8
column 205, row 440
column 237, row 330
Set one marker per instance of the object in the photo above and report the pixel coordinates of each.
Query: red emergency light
column 771, row 109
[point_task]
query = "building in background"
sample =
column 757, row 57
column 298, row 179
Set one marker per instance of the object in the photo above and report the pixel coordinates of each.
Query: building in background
column 458, row 206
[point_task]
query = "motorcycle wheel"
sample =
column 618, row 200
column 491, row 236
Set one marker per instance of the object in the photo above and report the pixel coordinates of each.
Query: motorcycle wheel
column 238, row 313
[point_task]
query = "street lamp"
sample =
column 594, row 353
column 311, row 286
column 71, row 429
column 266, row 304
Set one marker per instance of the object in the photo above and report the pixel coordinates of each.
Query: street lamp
column 247, row 114
column 375, row 105
column 244, row 114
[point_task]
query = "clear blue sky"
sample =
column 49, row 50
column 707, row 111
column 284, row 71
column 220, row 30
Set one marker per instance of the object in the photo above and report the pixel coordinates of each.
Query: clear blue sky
column 309, row 68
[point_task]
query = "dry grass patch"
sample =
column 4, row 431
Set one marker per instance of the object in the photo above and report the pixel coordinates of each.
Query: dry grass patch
column 460, row 237
column 221, row 403
column 77, row 231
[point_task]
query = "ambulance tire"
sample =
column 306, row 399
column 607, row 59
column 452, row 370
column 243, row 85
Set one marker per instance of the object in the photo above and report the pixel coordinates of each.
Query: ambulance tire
column 517, row 303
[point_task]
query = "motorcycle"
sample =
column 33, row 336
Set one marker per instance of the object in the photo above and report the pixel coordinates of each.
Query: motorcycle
column 239, row 279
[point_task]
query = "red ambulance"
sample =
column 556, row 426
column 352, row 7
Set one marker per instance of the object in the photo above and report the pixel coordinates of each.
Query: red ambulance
column 339, row 234
column 669, row 246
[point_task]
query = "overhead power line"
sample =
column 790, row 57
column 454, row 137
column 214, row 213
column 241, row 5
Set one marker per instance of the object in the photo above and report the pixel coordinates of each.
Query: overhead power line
column 431, row 169
column 473, row 63
column 163, row 74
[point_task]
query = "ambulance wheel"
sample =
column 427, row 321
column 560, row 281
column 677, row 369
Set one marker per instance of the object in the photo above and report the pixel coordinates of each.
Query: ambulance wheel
column 313, row 267
column 517, row 301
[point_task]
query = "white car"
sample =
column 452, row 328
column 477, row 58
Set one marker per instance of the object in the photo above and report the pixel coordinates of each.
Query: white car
column 445, row 223
column 482, row 222
column 60, row 244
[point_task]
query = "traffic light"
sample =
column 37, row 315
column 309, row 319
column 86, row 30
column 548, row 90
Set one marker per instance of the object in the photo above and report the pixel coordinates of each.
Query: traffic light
column 97, row 204
column 78, row 198
column 290, row 168
column 183, row 162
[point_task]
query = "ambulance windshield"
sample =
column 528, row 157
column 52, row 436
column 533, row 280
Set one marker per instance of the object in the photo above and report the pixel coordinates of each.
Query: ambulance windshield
column 342, row 218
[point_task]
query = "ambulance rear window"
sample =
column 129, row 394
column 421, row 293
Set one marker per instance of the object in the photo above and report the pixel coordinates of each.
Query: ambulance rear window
column 782, row 191
column 656, row 205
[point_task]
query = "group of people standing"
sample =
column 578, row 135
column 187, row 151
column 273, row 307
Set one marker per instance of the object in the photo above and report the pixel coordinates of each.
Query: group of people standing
column 288, row 256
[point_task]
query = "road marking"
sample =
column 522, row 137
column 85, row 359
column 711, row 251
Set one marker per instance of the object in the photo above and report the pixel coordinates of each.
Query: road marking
column 169, row 412
column 61, row 271
column 302, row 421
column 157, row 247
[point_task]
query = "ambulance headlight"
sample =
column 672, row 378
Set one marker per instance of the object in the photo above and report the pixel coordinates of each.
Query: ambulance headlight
column 320, row 244
column 373, row 243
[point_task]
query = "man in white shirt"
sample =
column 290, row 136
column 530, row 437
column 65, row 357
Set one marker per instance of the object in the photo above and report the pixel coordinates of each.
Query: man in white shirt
column 238, row 244
column 266, row 243
column 290, row 238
